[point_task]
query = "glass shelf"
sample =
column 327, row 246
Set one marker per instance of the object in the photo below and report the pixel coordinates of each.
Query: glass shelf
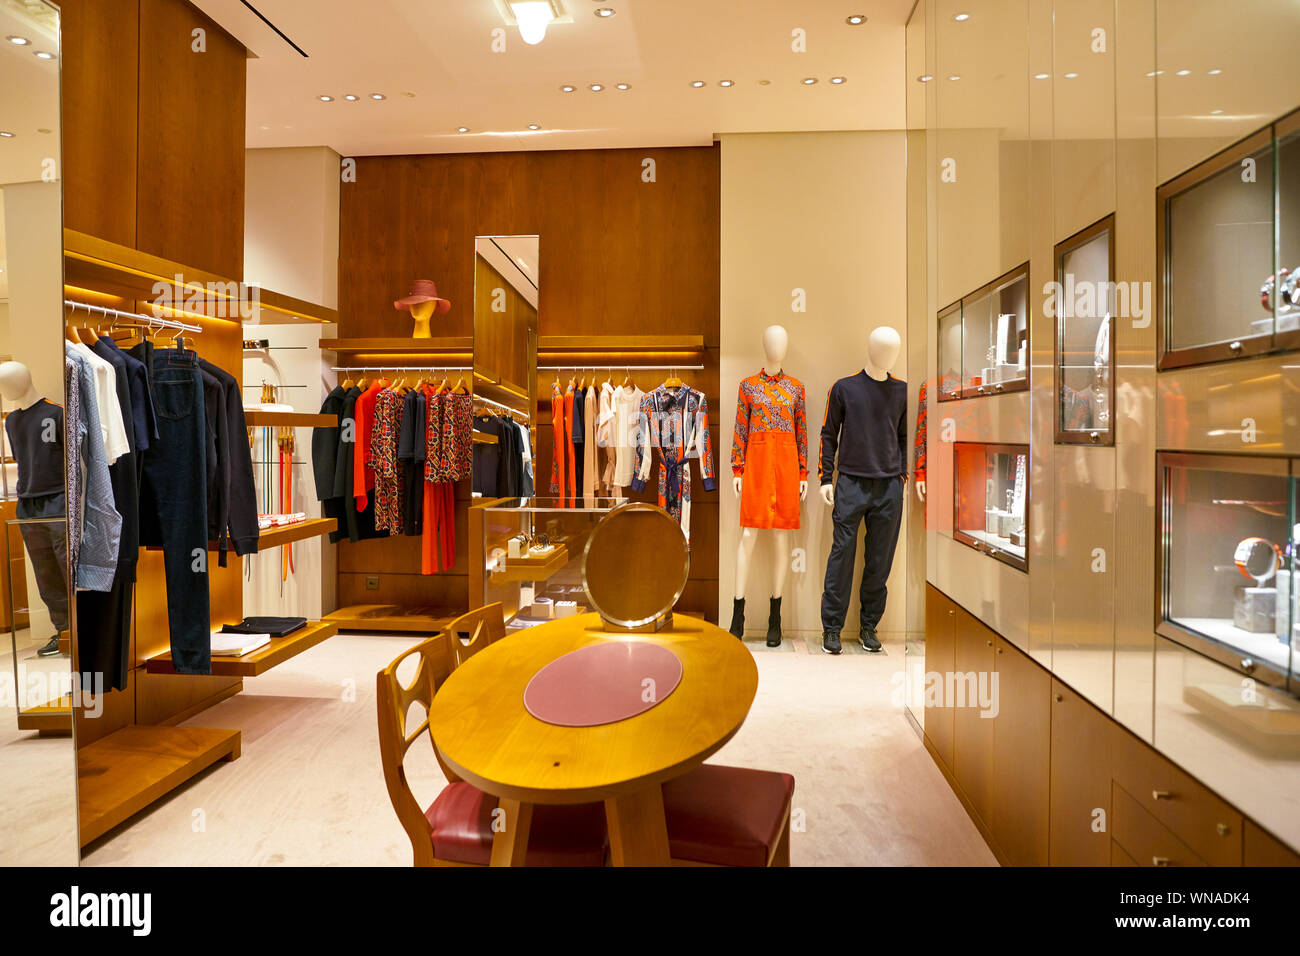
column 990, row 500
column 1085, row 340
column 984, row 340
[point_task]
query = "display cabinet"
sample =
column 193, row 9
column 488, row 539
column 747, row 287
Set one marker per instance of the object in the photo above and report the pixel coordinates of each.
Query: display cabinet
column 531, row 555
column 990, row 500
column 984, row 339
column 1227, row 575
column 1228, row 233
column 1084, row 301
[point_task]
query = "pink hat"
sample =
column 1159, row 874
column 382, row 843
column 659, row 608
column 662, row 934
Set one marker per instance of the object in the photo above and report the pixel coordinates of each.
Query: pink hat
column 423, row 290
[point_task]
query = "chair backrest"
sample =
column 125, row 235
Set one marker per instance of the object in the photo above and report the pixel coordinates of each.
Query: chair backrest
column 395, row 738
column 472, row 632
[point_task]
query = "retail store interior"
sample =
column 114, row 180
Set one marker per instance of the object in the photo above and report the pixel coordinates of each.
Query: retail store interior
column 750, row 434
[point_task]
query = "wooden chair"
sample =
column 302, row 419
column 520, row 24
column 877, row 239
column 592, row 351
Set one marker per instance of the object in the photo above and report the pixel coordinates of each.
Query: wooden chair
column 470, row 633
column 456, row 829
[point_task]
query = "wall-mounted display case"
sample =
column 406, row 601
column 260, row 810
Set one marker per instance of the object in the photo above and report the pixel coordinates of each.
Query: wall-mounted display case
column 1228, row 232
column 1085, row 343
column 991, row 498
column 531, row 555
column 1227, row 576
column 984, row 339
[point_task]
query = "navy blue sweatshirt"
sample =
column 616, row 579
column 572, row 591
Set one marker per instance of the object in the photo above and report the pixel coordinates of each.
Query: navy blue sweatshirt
column 866, row 421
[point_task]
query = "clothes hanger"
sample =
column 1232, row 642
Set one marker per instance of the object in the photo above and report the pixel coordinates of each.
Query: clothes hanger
column 672, row 381
column 460, row 388
column 347, row 382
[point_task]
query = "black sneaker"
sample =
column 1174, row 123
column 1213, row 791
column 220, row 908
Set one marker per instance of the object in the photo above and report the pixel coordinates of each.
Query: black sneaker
column 51, row 647
column 831, row 642
column 868, row 641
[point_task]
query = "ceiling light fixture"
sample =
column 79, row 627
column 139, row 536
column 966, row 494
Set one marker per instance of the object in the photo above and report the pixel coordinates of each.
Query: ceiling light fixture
column 726, row 82
column 351, row 97
column 837, row 80
column 377, row 96
column 623, row 86
column 532, row 18
column 961, row 17
column 856, row 20
column 43, row 55
column 1182, row 72
column 1215, row 72
column 1042, row 76
column 605, row 12
column 596, row 87
column 1215, row 112
column 6, row 134
column 462, row 129
column 1071, row 76
column 764, row 82
column 924, row 78
column 533, row 126
column 809, row 80
column 325, row 99
column 566, row 88
column 954, row 76
column 697, row 83
column 18, row 41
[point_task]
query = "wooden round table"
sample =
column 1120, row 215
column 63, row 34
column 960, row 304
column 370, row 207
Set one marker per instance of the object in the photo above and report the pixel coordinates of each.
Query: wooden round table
column 484, row 733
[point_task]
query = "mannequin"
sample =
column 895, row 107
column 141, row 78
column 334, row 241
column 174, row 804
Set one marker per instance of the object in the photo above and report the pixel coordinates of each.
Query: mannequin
column 16, row 385
column 767, row 451
column 866, row 424
column 422, row 312
column 422, row 302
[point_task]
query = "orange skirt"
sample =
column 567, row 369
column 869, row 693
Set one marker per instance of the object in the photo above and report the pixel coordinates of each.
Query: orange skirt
column 769, row 491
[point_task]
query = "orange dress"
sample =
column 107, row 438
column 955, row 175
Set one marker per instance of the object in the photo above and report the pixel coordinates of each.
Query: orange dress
column 769, row 450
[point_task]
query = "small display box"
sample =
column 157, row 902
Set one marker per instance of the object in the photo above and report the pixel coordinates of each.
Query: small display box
column 984, row 339
column 1227, row 574
column 991, row 500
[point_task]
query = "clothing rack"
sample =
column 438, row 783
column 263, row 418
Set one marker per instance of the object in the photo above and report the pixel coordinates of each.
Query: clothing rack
column 402, row 368
column 508, row 408
column 615, row 368
column 133, row 318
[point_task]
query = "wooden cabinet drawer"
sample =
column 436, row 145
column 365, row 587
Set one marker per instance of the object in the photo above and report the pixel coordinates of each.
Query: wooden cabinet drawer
column 1144, row 838
column 1119, row 856
column 940, row 647
column 1207, row 824
column 1264, row 849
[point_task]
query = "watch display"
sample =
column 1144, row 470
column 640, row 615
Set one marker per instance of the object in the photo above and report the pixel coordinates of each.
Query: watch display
column 990, row 512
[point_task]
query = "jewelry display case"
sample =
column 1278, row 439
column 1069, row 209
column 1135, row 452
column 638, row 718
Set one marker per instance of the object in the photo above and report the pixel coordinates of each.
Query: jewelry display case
column 990, row 500
column 1228, row 232
column 984, row 339
column 1227, row 576
column 1085, row 307
column 532, row 555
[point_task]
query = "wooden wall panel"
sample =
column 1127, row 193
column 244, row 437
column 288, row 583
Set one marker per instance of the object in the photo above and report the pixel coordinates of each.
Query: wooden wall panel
column 190, row 170
column 101, row 46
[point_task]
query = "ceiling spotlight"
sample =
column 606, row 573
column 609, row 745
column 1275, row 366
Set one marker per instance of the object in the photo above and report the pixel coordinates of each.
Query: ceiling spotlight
column 532, row 17
column 809, row 80
column 567, row 88
column 1071, row 76
column 44, row 55
column 1182, row 72
column 351, row 97
column 1215, row 112
column 726, row 82
column 409, row 95
column 961, row 17
column 764, row 82
column 325, row 99
column 856, row 20
column 954, row 76
column 377, row 96
column 1042, row 76
column 837, row 80
column 18, row 41
column 533, row 126
column 6, row 134
column 1215, row 72
column 605, row 12
column 622, row 86
column 596, row 87
column 924, row 78
column 697, row 83
column 462, row 129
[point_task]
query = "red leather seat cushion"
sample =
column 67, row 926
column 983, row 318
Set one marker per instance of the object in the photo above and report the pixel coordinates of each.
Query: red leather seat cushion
column 727, row 816
column 461, row 818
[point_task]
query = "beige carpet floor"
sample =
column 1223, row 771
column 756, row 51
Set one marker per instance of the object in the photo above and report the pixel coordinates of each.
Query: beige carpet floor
column 308, row 789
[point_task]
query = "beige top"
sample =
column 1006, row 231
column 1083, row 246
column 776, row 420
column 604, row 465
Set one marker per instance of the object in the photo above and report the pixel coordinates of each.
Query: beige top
column 627, row 409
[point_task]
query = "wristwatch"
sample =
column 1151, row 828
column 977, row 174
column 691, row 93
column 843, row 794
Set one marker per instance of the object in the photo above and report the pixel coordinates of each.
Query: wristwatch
column 1257, row 559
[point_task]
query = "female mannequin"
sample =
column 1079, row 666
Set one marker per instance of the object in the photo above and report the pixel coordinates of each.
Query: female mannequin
column 768, row 450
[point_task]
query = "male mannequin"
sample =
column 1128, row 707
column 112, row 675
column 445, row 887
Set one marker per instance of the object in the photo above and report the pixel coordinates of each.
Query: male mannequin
column 16, row 385
column 866, row 422
column 771, row 442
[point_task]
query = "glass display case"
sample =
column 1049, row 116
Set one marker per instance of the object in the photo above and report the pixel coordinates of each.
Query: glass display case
column 532, row 552
column 984, row 339
column 1229, row 239
column 1084, row 303
column 1227, row 574
column 990, row 500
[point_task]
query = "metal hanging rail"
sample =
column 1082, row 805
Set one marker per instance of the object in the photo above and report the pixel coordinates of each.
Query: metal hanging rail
column 134, row 318
column 401, row 368
column 502, row 405
column 617, row 368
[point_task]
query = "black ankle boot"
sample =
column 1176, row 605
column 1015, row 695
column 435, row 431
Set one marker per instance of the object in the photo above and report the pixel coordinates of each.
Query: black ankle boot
column 774, row 623
column 737, row 628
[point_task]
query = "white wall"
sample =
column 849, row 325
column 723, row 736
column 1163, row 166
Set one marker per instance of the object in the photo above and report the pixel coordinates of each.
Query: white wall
column 822, row 212
column 291, row 222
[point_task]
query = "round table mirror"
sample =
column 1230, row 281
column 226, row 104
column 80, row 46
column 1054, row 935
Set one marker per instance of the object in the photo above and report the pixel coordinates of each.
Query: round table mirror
column 635, row 565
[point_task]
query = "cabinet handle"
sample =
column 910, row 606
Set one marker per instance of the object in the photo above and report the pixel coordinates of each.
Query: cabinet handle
column 1223, row 829
column 980, row 389
column 1160, row 861
column 989, row 643
column 1235, row 346
column 999, row 650
column 1161, row 795
column 998, row 386
column 1094, row 436
column 1058, row 698
column 1248, row 665
column 951, row 612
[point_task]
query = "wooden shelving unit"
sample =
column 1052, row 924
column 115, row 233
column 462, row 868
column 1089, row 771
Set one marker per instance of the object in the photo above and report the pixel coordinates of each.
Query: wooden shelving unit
column 91, row 263
column 575, row 350
column 483, row 438
column 52, row 718
column 121, row 774
column 297, row 419
column 461, row 346
column 274, row 537
column 392, row 617
column 260, row 661
column 534, row 569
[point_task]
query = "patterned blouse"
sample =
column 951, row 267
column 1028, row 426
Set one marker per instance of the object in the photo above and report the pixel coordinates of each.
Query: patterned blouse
column 433, row 465
column 457, row 442
column 919, row 442
column 389, row 477
column 770, row 403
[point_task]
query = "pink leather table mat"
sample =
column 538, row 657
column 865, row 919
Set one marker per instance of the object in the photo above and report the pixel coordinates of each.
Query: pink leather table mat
column 603, row 683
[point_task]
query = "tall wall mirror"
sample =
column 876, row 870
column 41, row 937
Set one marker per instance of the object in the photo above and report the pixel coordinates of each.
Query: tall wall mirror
column 507, row 273
column 38, row 802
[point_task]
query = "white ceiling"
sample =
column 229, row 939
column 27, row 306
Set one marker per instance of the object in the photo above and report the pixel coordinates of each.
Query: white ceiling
column 442, row 53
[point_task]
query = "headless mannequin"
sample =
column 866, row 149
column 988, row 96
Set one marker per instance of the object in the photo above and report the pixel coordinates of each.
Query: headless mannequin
column 421, row 312
column 16, row 385
column 776, row 343
column 882, row 354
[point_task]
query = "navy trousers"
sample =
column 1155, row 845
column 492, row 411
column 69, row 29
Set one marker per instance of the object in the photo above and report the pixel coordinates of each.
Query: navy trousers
column 879, row 503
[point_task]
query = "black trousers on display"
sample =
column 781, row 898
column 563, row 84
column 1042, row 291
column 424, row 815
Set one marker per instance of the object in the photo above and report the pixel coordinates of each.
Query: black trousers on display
column 879, row 503
column 47, row 547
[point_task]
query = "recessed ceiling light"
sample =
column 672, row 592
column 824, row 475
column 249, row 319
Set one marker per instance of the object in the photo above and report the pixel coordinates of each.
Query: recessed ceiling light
column 6, row 134
column 726, row 82
column 1182, row 72
column 1215, row 112
column 377, row 96
column 1071, row 76
column 596, row 87
column 1042, row 76
column 961, row 17
column 837, row 80
column 44, row 55
column 924, row 78
column 856, row 19
column 954, row 76
column 697, row 83
column 1215, row 72
column 809, row 80
column 325, row 99
column 605, row 12
column 462, row 129
column 764, row 82
column 409, row 96
column 567, row 88
column 18, row 41
column 533, row 126
column 351, row 97
column 623, row 86
column 43, row 130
